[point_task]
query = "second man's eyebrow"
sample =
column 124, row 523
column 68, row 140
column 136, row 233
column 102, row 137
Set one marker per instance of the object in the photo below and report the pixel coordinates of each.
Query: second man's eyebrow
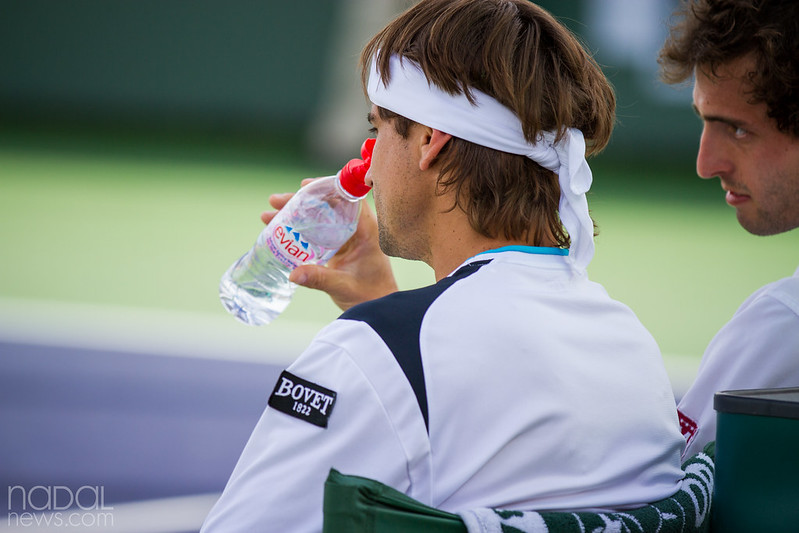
column 370, row 118
column 724, row 120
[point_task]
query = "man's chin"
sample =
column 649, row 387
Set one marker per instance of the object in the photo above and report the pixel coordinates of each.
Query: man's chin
column 764, row 226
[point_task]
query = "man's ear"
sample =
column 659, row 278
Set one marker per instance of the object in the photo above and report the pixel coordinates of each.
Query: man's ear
column 436, row 140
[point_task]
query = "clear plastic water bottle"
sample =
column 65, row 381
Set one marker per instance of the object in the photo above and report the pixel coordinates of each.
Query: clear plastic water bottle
column 310, row 229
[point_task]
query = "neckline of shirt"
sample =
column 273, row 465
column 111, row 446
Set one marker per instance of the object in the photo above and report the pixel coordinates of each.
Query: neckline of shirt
column 530, row 250
column 539, row 250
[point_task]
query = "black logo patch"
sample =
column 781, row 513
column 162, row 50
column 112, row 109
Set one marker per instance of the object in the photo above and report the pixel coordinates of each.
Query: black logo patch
column 302, row 399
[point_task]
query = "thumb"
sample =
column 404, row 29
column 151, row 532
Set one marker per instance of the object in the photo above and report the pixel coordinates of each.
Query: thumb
column 335, row 283
column 311, row 276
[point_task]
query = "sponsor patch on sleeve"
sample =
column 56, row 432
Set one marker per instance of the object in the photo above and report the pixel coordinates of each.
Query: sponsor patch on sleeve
column 302, row 399
column 687, row 426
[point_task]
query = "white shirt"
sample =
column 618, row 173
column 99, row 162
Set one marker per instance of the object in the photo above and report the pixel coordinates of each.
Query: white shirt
column 757, row 349
column 541, row 393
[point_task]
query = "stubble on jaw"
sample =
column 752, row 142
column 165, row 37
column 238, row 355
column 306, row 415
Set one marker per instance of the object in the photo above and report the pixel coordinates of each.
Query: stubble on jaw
column 781, row 216
column 404, row 240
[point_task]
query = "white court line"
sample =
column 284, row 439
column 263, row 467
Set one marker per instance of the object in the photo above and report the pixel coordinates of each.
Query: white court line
column 179, row 333
column 151, row 331
column 167, row 515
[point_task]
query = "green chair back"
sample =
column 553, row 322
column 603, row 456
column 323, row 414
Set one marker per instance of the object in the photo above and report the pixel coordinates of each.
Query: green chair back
column 362, row 505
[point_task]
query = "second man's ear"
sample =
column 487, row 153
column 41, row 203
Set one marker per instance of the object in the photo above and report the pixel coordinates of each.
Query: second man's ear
column 436, row 141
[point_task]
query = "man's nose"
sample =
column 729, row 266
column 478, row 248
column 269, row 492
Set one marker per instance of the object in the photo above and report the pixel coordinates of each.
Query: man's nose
column 712, row 160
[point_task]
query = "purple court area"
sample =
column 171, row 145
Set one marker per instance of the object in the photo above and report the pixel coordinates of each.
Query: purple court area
column 140, row 426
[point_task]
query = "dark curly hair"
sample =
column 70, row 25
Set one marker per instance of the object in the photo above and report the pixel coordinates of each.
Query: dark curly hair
column 711, row 33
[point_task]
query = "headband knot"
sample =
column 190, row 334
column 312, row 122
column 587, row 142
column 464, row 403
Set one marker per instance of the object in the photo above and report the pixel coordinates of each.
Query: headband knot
column 489, row 123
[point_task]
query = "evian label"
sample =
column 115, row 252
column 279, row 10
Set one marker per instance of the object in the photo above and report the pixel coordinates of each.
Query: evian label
column 289, row 247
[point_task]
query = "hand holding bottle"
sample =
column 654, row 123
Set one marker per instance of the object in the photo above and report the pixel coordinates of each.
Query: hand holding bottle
column 358, row 272
column 309, row 229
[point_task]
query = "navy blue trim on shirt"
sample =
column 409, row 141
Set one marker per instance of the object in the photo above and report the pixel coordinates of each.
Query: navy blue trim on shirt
column 397, row 318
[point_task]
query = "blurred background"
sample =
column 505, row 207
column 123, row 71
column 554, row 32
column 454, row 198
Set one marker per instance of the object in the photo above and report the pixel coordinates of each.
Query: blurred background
column 139, row 142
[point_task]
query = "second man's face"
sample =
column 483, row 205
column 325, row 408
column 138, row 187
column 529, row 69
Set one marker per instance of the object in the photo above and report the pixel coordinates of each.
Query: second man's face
column 757, row 164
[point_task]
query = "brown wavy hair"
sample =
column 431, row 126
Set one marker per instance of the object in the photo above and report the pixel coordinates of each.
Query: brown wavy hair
column 710, row 33
column 516, row 52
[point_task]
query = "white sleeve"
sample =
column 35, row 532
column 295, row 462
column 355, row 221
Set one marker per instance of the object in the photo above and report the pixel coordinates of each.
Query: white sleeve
column 278, row 482
column 757, row 349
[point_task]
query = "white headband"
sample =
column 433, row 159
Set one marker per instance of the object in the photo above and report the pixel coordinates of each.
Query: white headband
column 491, row 124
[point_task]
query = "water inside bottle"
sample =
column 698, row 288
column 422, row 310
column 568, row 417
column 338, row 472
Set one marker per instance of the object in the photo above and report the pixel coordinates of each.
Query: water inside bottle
column 256, row 288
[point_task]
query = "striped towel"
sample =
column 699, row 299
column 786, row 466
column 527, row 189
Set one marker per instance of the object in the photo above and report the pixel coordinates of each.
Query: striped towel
column 686, row 511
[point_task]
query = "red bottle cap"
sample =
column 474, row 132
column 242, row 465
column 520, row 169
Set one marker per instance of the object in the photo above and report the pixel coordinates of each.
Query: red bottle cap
column 353, row 174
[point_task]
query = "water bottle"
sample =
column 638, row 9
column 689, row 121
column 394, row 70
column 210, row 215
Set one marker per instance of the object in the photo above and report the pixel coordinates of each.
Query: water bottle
column 310, row 229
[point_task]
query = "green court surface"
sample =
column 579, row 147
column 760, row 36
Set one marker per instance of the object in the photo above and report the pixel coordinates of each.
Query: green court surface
column 149, row 230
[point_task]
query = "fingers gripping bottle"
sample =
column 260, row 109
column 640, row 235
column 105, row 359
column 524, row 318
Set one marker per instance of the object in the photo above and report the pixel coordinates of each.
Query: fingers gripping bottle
column 310, row 229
